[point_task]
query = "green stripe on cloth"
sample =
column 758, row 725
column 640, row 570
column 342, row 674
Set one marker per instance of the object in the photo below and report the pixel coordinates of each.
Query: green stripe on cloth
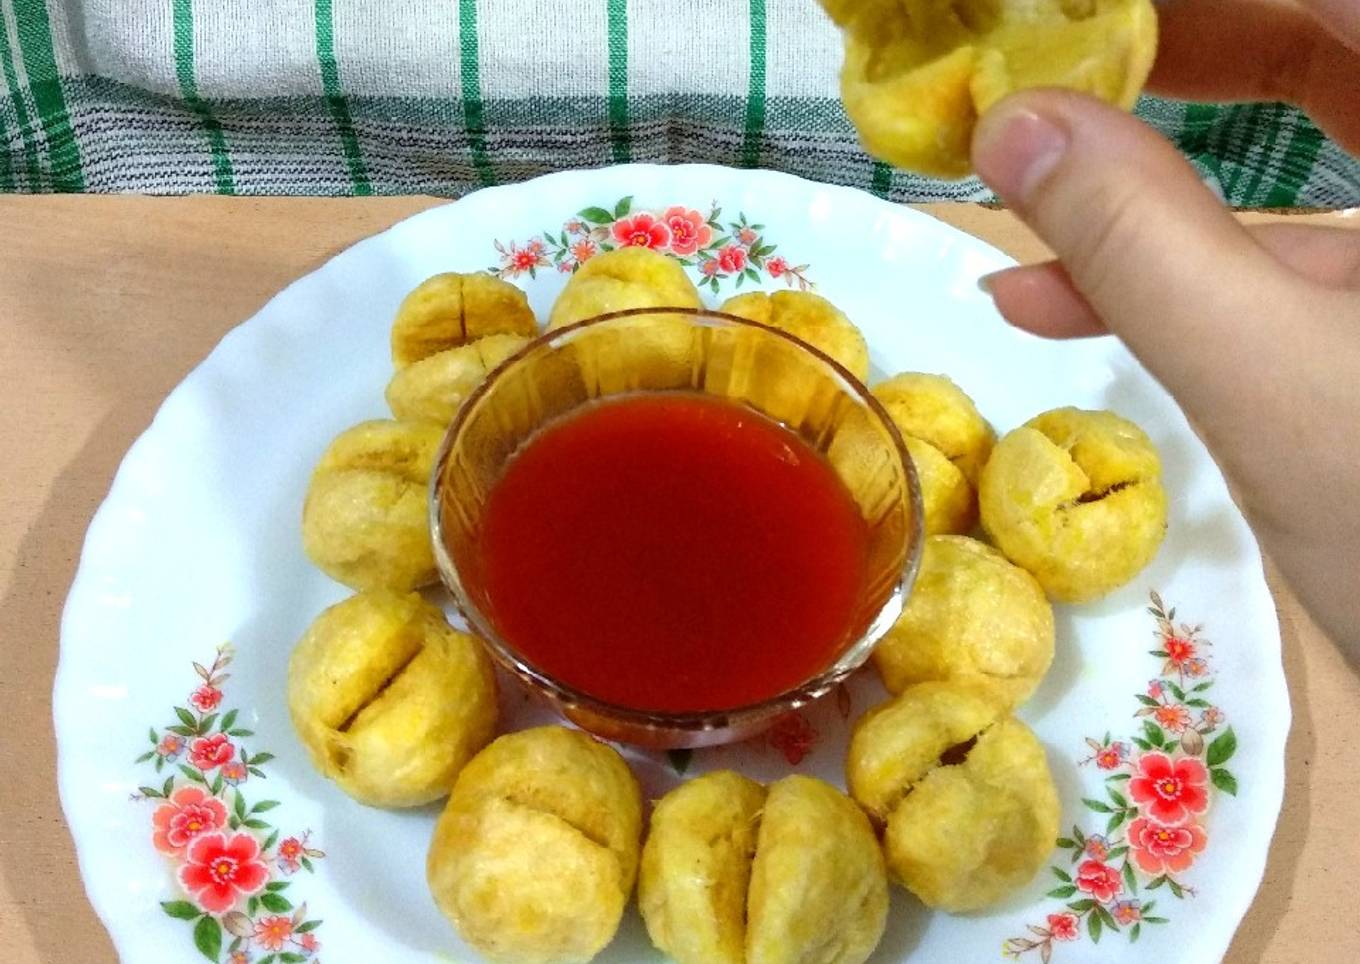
column 335, row 97
column 40, row 67
column 1275, row 116
column 188, row 86
column 6, row 173
column 1300, row 152
column 471, row 77
column 618, row 81
column 882, row 182
column 755, row 90
column 32, row 168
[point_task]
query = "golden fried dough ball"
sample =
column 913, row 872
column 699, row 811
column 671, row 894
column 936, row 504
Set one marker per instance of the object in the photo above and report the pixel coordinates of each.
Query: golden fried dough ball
column 732, row 874
column 935, row 410
column 948, row 502
column 696, row 868
column 819, row 893
column 452, row 309
column 948, row 441
column 434, row 387
column 918, row 73
column 389, row 700
column 809, row 317
column 1076, row 498
column 365, row 520
column 535, row 855
column 964, row 790
column 971, row 615
column 629, row 277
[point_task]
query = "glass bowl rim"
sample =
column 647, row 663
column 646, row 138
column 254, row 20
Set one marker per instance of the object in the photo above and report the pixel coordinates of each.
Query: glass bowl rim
column 562, row 694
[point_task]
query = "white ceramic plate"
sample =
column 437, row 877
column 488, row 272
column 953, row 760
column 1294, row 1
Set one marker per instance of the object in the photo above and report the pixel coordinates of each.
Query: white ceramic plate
column 196, row 556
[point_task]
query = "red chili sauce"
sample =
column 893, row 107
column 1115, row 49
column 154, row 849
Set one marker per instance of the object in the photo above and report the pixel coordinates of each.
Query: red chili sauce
column 672, row 553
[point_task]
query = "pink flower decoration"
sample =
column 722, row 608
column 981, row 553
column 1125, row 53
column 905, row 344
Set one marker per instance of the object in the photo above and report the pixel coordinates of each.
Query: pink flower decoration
column 220, row 869
column 206, row 698
column 709, row 268
column 689, row 233
column 1159, row 849
column 642, row 231
column 1097, row 847
column 170, row 746
column 1155, row 689
column 1212, row 717
column 234, row 773
column 732, row 258
column 1063, row 927
column 793, row 736
column 309, row 943
column 1169, row 792
column 747, row 236
column 1178, row 649
column 211, row 751
column 1127, row 912
column 583, row 250
column 190, row 812
column 1110, row 757
column 776, row 267
column 1195, row 667
column 1099, row 880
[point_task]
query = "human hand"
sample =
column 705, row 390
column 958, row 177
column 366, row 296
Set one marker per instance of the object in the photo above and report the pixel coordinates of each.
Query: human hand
column 1256, row 332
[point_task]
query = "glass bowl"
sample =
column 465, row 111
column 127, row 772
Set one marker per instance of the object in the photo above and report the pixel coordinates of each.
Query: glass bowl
column 701, row 352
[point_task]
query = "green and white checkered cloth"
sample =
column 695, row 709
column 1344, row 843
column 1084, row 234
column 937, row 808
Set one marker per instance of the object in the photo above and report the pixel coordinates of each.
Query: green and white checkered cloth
column 443, row 96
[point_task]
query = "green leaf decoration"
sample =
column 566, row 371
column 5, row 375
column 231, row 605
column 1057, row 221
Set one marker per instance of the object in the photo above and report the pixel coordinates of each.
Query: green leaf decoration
column 1155, row 920
column 180, row 730
column 252, row 906
column 1147, row 700
column 292, row 957
column 254, row 824
column 1156, row 882
column 192, row 774
column 1082, row 905
column 208, row 937
column 276, row 903
column 595, row 215
column 1106, row 919
column 229, row 720
column 1060, row 892
column 1221, row 750
column 1097, row 805
column 1198, row 703
column 1115, row 820
column 1118, row 798
column 240, row 733
column 1065, row 843
column 154, row 738
column 1224, row 780
column 623, row 207
column 1175, row 887
column 259, row 759
column 1093, row 926
column 1155, row 736
column 1061, row 874
column 1118, row 777
column 180, row 909
column 273, row 838
column 1134, row 932
column 306, row 862
column 151, row 792
column 680, row 759
column 1176, row 691
column 1141, row 744
column 276, row 886
column 264, row 805
column 216, row 788
column 207, row 723
column 165, row 789
column 185, row 717
column 307, row 926
column 145, row 756
column 1201, row 687
column 239, row 807
column 1130, row 881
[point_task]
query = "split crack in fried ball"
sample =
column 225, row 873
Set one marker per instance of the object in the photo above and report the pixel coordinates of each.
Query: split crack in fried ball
column 536, row 853
column 388, row 699
column 1076, row 498
column 808, row 317
column 948, row 441
column 365, row 518
column 435, row 387
column 962, row 790
column 735, row 874
column 452, row 309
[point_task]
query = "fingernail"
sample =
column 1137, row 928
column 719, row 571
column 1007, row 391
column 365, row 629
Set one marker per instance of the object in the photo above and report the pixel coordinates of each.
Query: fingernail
column 1014, row 149
column 984, row 283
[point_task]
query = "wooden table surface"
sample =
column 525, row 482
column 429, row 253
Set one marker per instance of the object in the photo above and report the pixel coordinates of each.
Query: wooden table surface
column 106, row 303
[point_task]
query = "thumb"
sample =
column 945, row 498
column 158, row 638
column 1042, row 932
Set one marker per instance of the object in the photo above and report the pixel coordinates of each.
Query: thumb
column 1159, row 259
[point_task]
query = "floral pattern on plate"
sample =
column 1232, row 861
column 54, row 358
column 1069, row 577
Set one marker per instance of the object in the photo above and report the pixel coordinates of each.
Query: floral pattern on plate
column 1159, row 788
column 228, row 859
column 735, row 251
